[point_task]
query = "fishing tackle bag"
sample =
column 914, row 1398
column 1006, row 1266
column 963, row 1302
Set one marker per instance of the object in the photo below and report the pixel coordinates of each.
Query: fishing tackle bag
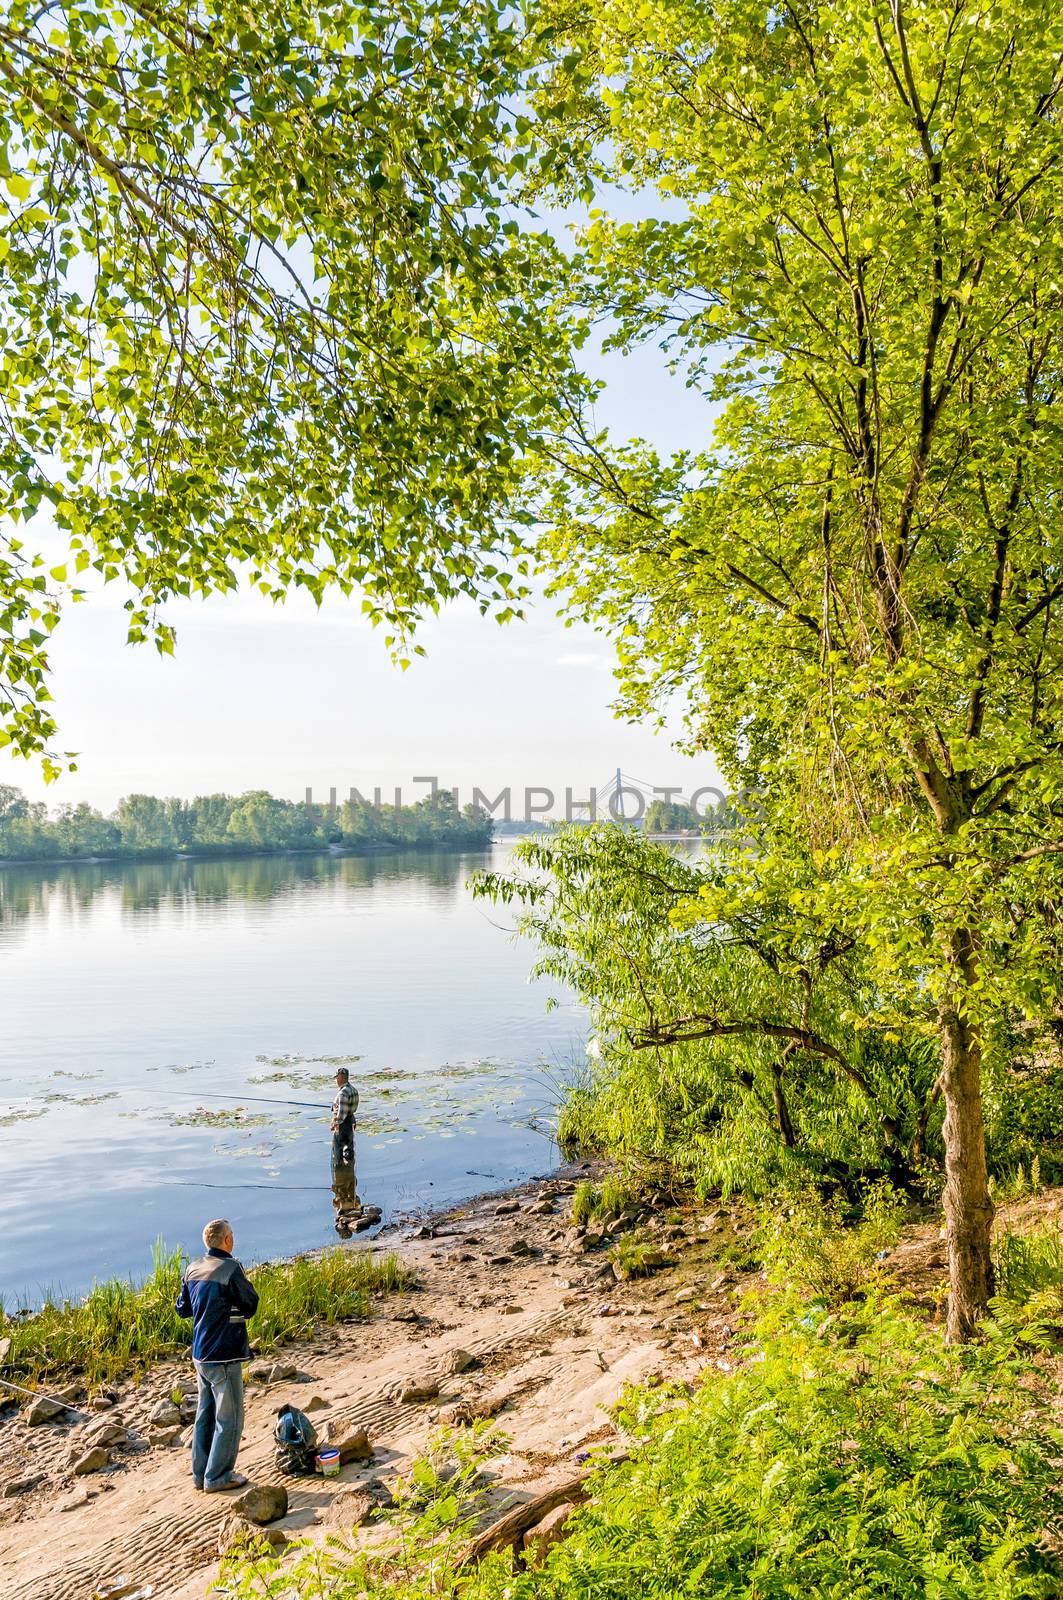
column 296, row 1442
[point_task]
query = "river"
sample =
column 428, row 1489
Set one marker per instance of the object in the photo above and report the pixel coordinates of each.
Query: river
column 152, row 1015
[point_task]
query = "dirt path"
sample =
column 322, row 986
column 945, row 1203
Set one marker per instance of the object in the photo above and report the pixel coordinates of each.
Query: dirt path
column 509, row 1290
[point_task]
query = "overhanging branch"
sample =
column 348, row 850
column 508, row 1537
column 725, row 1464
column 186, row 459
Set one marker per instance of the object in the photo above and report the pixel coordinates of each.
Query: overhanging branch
column 686, row 1030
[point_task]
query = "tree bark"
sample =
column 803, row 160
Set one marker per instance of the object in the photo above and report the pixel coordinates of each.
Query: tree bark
column 782, row 1110
column 509, row 1531
column 968, row 1207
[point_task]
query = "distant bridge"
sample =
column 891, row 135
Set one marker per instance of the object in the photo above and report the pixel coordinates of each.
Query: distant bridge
column 622, row 799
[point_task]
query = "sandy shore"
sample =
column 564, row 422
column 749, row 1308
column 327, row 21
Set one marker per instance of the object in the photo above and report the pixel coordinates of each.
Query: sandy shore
column 554, row 1338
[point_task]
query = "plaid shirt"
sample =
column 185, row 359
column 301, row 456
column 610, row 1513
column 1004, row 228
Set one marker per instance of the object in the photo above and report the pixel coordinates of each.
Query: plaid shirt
column 345, row 1104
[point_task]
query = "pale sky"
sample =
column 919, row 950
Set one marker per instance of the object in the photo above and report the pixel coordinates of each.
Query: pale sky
column 283, row 698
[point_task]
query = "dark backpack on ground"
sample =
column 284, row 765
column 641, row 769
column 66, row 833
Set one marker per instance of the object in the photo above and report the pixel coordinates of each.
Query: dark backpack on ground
column 296, row 1443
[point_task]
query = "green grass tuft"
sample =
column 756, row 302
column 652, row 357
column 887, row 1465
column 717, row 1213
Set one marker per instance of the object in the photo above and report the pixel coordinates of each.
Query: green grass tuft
column 599, row 1202
column 636, row 1257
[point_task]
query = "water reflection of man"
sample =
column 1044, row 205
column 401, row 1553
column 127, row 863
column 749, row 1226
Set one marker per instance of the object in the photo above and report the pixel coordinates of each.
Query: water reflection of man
column 343, row 1108
column 345, row 1201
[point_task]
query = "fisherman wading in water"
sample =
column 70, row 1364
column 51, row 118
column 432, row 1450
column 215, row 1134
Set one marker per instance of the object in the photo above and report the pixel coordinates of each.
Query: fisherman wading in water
column 343, row 1108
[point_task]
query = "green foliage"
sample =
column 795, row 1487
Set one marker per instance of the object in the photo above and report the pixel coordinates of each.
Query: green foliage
column 848, row 242
column 261, row 312
column 616, row 1195
column 221, row 825
column 121, row 1326
column 847, row 256
column 814, row 1244
column 1029, row 1270
column 886, row 1469
column 738, row 1043
column 1024, row 1103
column 1020, row 1183
column 583, row 1202
column 445, row 1483
column 671, row 816
column 636, row 1256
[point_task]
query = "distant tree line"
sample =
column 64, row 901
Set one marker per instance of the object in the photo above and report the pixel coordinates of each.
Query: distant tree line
column 144, row 826
column 678, row 816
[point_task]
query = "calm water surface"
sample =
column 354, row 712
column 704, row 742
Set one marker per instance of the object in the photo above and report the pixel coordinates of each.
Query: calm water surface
column 151, row 1014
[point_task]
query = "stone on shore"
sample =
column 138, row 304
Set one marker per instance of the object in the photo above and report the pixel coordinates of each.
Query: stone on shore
column 44, row 1409
column 93, row 1460
column 455, row 1361
column 236, row 1531
column 19, row 1486
column 106, row 1431
column 352, row 1442
column 165, row 1436
column 408, row 1391
column 75, row 1501
column 577, row 1239
column 272, row 1371
column 352, row 1508
column 262, row 1503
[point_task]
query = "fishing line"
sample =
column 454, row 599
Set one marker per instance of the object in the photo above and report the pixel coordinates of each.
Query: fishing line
column 39, row 1394
column 191, row 1183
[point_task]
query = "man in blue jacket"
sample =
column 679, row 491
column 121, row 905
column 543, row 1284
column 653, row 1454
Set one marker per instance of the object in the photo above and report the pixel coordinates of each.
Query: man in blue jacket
column 217, row 1295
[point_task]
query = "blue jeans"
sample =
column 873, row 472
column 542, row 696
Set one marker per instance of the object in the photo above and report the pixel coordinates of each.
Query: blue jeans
column 219, row 1421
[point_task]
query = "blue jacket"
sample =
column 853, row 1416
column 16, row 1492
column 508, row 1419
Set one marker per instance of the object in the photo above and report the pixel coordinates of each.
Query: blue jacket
column 216, row 1294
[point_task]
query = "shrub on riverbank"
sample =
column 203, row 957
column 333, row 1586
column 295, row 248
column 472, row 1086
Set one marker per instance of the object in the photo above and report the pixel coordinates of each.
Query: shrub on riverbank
column 810, row 1243
column 122, row 1326
column 850, row 1454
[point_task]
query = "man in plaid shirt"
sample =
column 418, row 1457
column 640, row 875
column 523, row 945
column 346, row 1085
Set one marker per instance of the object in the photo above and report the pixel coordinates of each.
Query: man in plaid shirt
column 343, row 1108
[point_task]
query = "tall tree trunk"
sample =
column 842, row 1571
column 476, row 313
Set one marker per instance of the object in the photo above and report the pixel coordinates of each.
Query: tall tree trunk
column 968, row 1207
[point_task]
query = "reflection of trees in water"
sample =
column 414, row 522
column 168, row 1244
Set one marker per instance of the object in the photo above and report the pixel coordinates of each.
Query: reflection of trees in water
column 22, row 895
column 146, row 888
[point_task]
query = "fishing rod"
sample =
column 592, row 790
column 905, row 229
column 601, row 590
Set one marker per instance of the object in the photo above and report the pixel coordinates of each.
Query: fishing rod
column 34, row 1394
column 40, row 1394
column 258, row 1099
column 188, row 1094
